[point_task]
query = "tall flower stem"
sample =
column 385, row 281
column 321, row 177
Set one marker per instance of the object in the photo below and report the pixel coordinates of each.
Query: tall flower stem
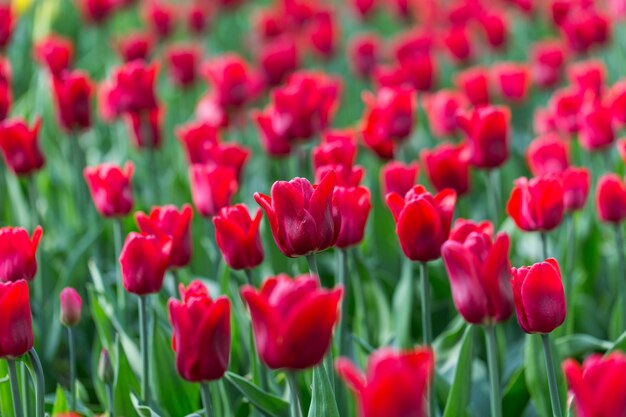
column 621, row 281
column 342, row 337
column 145, row 363
column 569, row 279
column 493, row 189
column 39, row 383
column 248, row 274
column 494, row 372
column 117, row 246
column 109, row 389
column 427, row 330
column 70, row 343
column 312, row 261
column 15, row 389
column 554, row 390
column 544, row 245
column 205, row 391
column 32, row 197
column 296, row 410
column 153, row 173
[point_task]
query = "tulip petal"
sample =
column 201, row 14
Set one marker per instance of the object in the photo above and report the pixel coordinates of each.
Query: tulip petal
column 496, row 271
column 543, row 298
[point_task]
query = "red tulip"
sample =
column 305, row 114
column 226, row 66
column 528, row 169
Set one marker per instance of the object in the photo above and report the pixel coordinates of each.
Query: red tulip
column 363, row 8
column 72, row 92
column 611, row 199
column 346, row 176
column 565, row 106
column 538, row 295
column 135, row 46
column 212, row 187
column 131, row 89
column 145, row 128
column 487, row 131
column 458, row 43
column 18, row 254
column 338, row 148
column 160, row 17
column 588, row 76
column 274, row 137
column 7, row 23
column 479, row 273
column 417, row 72
column 183, row 62
column 441, row 109
column 364, row 54
column 55, row 53
column 596, row 127
column 495, row 28
column 399, row 178
column 200, row 333
column 168, row 220
column 513, row 81
column 302, row 217
column 20, row 147
column 412, row 44
column 110, row 188
column 447, row 166
column 474, row 83
column 232, row 81
column 547, row 155
column 277, row 59
column 597, row 385
column 354, row 205
column 71, row 306
column 585, row 29
column 576, row 183
column 16, row 326
column 198, row 19
column 616, row 100
column 544, row 122
column 144, row 260
column 422, row 221
column 537, row 205
column 323, row 33
column 293, row 320
column 197, row 139
column 463, row 228
column 548, row 59
column 6, row 96
column 395, row 385
column 237, row 236
column 97, row 11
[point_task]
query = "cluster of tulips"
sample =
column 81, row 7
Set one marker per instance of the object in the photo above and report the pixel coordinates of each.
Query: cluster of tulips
column 439, row 107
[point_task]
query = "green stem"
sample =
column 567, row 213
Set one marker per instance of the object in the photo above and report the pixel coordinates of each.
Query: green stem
column 121, row 292
column 493, row 189
column 145, row 362
column 554, row 390
column 296, row 410
column 312, row 261
column 177, row 280
column 32, row 197
column 544, row 245
column 206, row 399
column 569, row 279
column 494, row 372
column 248, row 273
column 25, row 381
column 153, row 173
column 109, row 389
column 621, row 282
column 40, row 384
column 70, row 342
column 427, row 331
column 343, row 280
column 15, row 389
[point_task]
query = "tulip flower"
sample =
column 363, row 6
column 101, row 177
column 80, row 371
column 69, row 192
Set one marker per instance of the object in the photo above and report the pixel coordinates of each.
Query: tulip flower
column 237, row 236
column 135, row 46
column 145, row 128
column 537, row 205
column 353, row 205
column 586, row 29
column 72, row 92
column 441, row 109
column 338, row 148
column 576, row 183
column 55, row 53
column 447, row 166
column 20, row 147
column 565, row 106
column 183, row 62
column 395, row 384
column 596, row 127
column 277, row 60
column 144, row 260
column 364, row 51
column 457, row 42
column 302, row 217
column 96, row 11
column 363, row 8
column 346, row 176
column 547, row 155
column 512, row 81
column 197, row 139
column 463, row 228
column 232, row 81
column 611, row 199
column 110, row 187
column 495, row 27
column 176, row 224
column 6, row 96
column 200, row 333
column 548, row 60
column 616, row 100
column 160, row 17
column 389, row 114
column 322, row 33
column 130, row 90
column 417, row 72
column 588, row 76
column 7, row 23
column 399, row 178
column 212, row 187
column 287, row 335
column 16, row 324
column 71, row 305
column 487, row 131
column 198, row 19
column 18, row 254
column 596, row 385
column 474, row 83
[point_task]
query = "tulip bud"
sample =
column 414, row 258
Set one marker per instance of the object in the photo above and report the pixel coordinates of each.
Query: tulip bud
column 232, row 81
column 364, row 54
column 596, row 127
column 565, row 105
column 495, row 28
column 576, row 183
column 16, row 324
column 71, row 305
column 588, row 77
column 105, row 367
column 160, row 17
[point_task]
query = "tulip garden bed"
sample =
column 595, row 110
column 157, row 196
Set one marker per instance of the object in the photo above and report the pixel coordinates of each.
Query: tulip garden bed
column 373, row 208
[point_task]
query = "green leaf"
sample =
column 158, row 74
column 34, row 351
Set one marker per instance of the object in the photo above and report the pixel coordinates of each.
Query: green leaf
column 537, row 377
column 580, row 344
column 516, row 397
column 124, row 384
column 60, row 402
column 142, row 410
column 403, row 304
column 460, row 391
column 6, row 402
column 323, row 402
column 262, row 400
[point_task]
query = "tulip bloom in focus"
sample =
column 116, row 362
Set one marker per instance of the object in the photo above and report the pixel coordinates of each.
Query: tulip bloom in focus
column 144, row 260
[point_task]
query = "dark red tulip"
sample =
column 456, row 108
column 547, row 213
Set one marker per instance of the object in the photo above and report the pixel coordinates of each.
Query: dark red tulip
column 585, row 29
column 354, row 205
column 97, row 11
column 539, row 297
column 496, row 29
column 176, row 224
column 17, row 322
column 611, row 199
column 18, row 253
column 144, row 260
column 363, row 8
column 274, row 138
column 547, row 155
column 183, row 62
column 537, row 205
column 479, row 273
column 422, row 221
column 145, row 128
column 417, row 72
column 293, row 320
column 212, row 187
column 110, row 188
column 395, row 385
column 548, row 59
column 198, row 19
column 277, row 59
column 441, row 109
column 474, row 83
column 6, row 95
column 364, row 54
column 596, row 127
column 20, row 147
column 197, row 139
column 565, row 105
column 616, row 100
column 71, row 306
column 447, row 166
column 512, row 80
column 576, row 183
column 160, row 17
column 399, row 178
column 413, row 43
column 7, row 23
column 458, row 43
column 487, row 131
column 596, row 385
column 346, row 176
column 237, row 236
column 200, row 333
column 338, row 148
column 72, row 93
column 463, row 228
column 588, row 76
column 131, row 89
column 323, row 33
column 135, row 45
column 232, row 81
column 302, row 217
column 55, row 53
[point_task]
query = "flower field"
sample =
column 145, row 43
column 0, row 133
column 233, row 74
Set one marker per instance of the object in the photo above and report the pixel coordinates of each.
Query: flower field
column 289, row 208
